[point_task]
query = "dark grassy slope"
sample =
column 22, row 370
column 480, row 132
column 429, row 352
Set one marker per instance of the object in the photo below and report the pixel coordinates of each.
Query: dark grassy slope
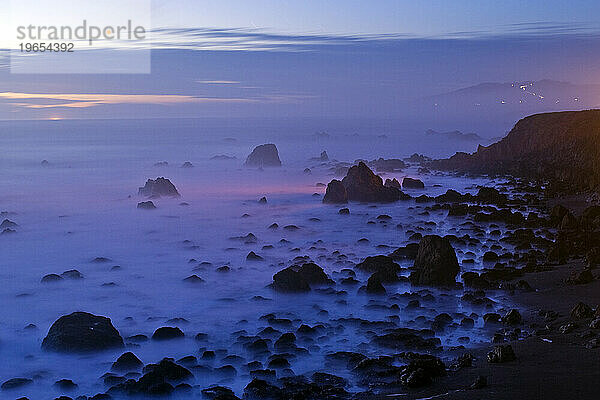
column 562, row 147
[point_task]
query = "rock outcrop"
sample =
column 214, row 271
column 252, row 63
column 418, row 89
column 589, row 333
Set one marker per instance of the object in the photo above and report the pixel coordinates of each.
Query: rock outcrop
column 410, row 183
column 563, row 147
column 361, row 184
column 436, row 263
column 336, row 193
column 265, row 155
column 82, row 332
column 158, row 187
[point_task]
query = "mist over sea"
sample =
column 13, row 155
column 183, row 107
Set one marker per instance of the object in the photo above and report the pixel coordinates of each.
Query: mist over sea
column 81, row 204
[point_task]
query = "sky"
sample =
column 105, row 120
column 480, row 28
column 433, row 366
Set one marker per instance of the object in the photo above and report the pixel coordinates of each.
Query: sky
column 279, row 58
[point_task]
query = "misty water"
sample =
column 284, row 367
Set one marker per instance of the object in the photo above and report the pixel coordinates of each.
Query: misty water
column 82, row 205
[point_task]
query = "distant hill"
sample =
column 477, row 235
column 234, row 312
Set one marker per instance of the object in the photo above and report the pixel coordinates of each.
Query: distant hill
column 563, row 147
column 456, row 135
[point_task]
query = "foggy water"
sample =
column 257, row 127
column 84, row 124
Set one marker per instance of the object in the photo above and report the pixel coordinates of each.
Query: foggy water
column 82, row 205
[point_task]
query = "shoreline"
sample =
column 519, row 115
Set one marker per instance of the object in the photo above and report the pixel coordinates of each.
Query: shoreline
column 549, row 366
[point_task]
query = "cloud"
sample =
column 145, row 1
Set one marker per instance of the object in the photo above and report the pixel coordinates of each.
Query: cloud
column 53, row 100
column 219, row 82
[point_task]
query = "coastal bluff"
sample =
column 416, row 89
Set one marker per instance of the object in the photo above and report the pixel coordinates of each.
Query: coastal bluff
column 561, row 147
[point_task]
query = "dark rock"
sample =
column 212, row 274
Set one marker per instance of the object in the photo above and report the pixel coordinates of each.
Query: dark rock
column 193, row 279
column 436, row 263
column 252, row 256
column 187, row 164
column 8, row 224
column 65, row 384
column 167, row 333
column 219, row 393
column 82, row 332
column 314, row 275
column 374, row 285
column 363, row 185
column 480, row 383
column 410, row 183
column 146, row 205
column 581, row 311
column 127, row 362
column 158, row 380
column 501, row 354
column 386, row 267
column 421, row 370
column 51, row 278
column 259, row 389
column 262, row 200
column 490, row 195
column 344, row 211
column 336, row 193
column 158, row 187
column 72, row 274
column 15, row 383
column 581, row 277
column 393, row 183
column 513, row 317
column 289, row 281
column 265, row 155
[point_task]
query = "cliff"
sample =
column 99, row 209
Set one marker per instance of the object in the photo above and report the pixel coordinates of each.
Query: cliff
column 561, row 147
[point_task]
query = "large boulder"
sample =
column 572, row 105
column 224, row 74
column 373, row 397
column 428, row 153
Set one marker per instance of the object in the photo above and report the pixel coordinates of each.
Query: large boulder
column 336, row 193
column 363, row 185
column 265, row 155
column 411, row 183
column 158, row 187
column 290, row 281
column 436, row 263
column 82, row 332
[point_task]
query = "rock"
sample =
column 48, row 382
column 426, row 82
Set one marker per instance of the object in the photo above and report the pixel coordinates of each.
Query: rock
column 65, row 384
column 158, row 187
column 167, row 333
column 489, row 195
column 7, row 223
column 410, row 183
column 406, row 338
column 193, row 279
column 187, row 164
column 344, row 211
column 374, row 285
column 82, row 332
column 51, row 278
column 480, row 383
column 259, row 389
column 557, row 214
column 336, row 193
column 501, row 354
column 252, row 256
column 581, row 277
column 581, row 311
column 156, row 381
column 15, row 383
column 262, row 200
column 363, row 185
column 127, row 362
column 219, row 393
column 421, row 370
column 513, row 317
column 393, row 183
column 314, row 275
column 290, row 281
column 146, row 205
column 265, row 155
column 385, row 268
column 72, row 274
column 569, row 222
column 436, row 263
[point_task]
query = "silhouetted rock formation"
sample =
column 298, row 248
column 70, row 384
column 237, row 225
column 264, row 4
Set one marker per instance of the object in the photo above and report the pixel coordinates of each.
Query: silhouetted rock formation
column 436, row 263
column 389, row 165
column 336, row 193
column 563, row 147
column 361, row 184
column 82, row 332
column 158, row 187
column 410, row 183
column 146, row 205
column 265, row 155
